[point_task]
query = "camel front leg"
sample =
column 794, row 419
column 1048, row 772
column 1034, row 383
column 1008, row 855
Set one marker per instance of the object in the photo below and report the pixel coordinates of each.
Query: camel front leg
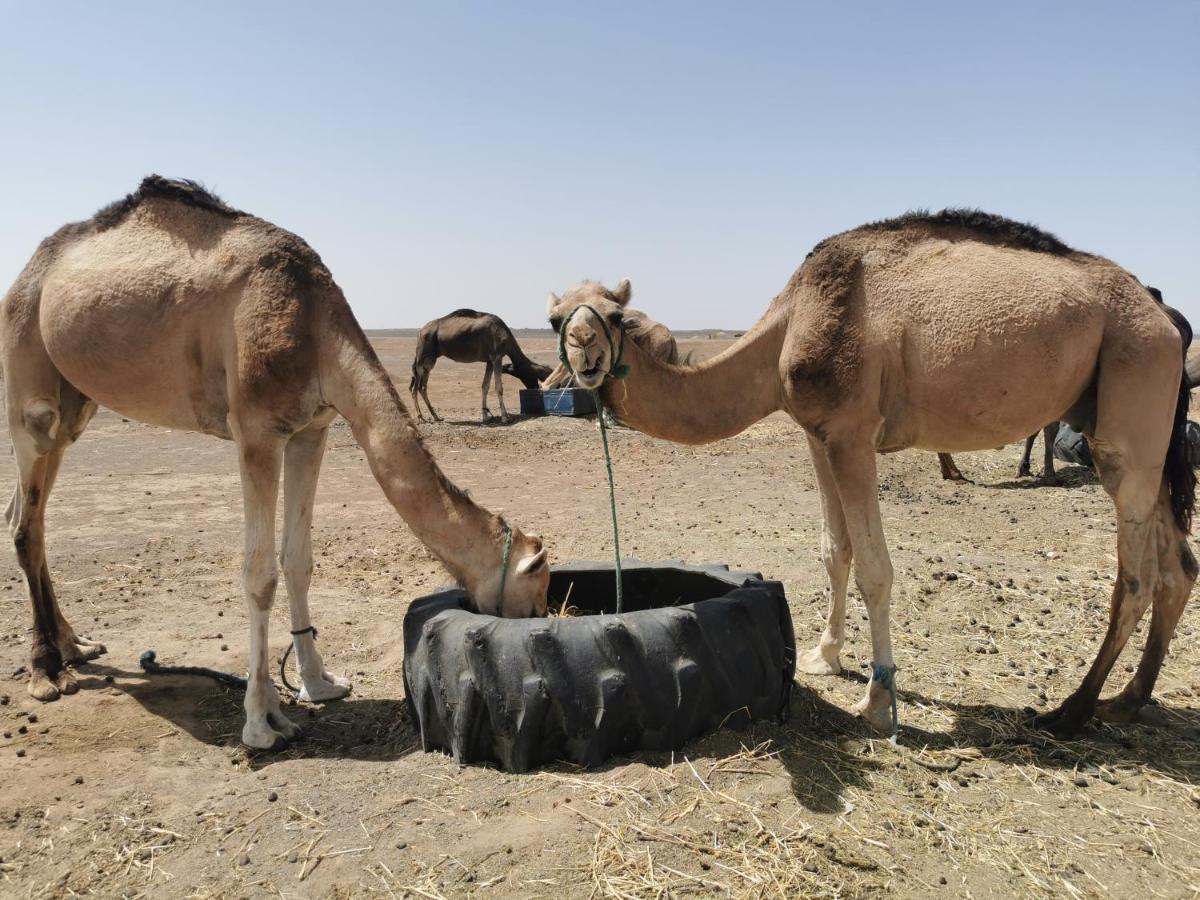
column 301, row 467
column 496, row 366
column 486, row 414
column 853, row 465
column 260, row 458
column 823, row 659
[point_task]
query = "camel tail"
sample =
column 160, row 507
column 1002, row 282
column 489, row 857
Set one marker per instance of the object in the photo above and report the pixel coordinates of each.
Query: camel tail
column 1178, row 471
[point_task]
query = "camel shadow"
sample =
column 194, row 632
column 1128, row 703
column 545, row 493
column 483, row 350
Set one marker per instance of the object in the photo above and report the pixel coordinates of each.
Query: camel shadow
column 1007, row 735
column 1069, row 476
column 494, row 422
column 366, row 729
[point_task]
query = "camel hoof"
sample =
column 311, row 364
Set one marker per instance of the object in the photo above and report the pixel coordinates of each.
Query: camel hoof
column 261, row 736
column 83, row 650
column 1052, row 481
column 327, row 687
column 814, row 662
column 66, row 682
column 42, row 688
column 1119, row 711
column 1024, row 472
column 878, row 716
column 285, row 726
column 1061, row 722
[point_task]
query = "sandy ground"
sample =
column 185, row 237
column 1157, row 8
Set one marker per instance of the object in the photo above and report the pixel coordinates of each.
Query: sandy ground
column 139, row 787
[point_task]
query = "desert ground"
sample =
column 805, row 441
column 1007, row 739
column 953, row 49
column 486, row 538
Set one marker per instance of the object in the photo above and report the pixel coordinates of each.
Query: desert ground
column 138, row 786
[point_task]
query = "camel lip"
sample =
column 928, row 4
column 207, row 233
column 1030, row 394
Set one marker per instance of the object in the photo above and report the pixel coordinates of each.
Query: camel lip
column 590, row 374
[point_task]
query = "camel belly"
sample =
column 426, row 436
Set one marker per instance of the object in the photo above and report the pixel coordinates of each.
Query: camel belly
column 139, row 355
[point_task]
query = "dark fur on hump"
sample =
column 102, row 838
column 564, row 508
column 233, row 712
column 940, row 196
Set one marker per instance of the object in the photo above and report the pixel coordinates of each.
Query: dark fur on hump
column 1022, row 235
column 179, row 190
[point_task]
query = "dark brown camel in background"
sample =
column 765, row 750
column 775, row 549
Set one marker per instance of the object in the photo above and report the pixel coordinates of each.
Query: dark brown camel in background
column 950, row 471
column 468, row 336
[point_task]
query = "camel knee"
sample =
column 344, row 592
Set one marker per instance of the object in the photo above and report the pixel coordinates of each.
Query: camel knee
column 260, row 583
column 40, row 418
column 836, row 552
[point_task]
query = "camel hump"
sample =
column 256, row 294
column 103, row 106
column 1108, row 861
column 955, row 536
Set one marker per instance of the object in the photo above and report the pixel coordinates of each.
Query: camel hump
column 975, row 223
column 177, row 190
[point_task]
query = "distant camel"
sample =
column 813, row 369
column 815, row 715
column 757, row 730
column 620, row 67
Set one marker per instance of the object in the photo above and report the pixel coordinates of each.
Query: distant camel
column 950, row 470
column 467, row 336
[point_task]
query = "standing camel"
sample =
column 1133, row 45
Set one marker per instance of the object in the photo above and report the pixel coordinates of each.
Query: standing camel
column 467, row 336
column 936, row 332
column 174, row 309
column 653, row 337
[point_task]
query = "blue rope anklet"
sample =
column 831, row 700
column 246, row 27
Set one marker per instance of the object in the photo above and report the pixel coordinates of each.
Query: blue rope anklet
column 885, row 677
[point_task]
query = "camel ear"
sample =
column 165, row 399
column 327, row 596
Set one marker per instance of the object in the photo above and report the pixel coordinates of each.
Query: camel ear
column 623, row 292
column 532, row 563
column 551, row 302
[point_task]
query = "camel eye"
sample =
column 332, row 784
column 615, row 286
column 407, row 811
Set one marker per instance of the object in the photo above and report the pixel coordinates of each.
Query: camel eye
column 556, row 324
column 616, row 319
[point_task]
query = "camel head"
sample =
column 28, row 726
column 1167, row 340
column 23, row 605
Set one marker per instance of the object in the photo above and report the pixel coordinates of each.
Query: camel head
column 531, row 375
column 525, row 585
column 589, row 319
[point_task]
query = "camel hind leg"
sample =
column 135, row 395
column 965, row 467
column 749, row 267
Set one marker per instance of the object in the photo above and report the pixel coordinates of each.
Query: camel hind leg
column 485, row 413
column 1133, row 429
column 1179, row 570
column 45, row 416
column 1049, row 476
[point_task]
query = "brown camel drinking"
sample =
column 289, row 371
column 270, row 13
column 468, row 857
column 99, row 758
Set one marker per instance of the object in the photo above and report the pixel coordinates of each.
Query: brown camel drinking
column 174, row 309
column 943, row 332
column 467, row 336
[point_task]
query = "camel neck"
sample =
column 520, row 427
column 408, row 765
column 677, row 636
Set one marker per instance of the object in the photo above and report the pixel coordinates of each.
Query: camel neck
column 698, row 404
column 464, row 536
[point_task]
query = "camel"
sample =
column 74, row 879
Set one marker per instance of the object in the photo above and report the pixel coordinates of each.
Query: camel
column 468, row 336
column 174, row 309
column 942, row 332
column 653, row 337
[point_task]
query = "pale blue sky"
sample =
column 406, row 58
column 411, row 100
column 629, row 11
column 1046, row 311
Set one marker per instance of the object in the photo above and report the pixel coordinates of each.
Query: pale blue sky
column 443, row 155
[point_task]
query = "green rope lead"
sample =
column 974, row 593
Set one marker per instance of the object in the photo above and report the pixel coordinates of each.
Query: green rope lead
column 612, row 498
column 617, row 369
column 505, row 554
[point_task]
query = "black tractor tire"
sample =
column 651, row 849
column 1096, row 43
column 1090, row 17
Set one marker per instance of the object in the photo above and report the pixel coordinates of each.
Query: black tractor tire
column 523, row 692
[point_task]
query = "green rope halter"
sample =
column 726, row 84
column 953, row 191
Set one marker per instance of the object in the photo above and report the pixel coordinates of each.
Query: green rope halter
column 617, row 370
